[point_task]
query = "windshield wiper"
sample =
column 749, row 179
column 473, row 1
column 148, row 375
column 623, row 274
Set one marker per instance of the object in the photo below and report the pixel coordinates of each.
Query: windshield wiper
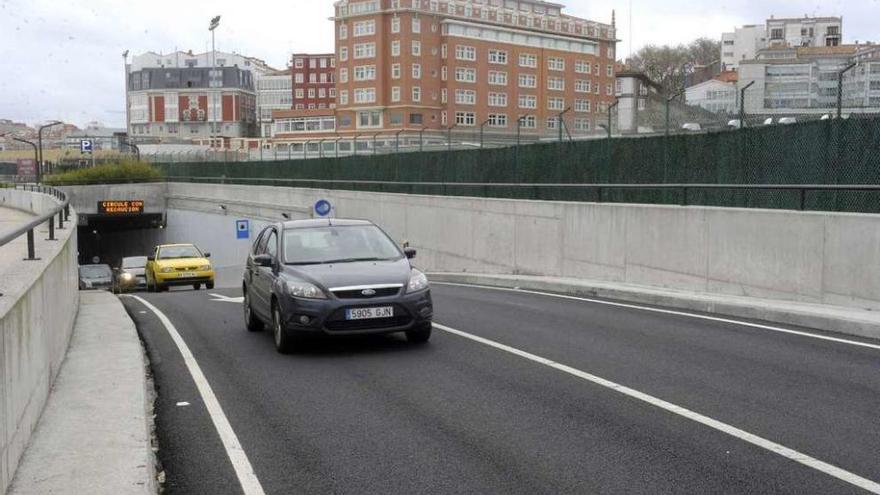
column 355, row 260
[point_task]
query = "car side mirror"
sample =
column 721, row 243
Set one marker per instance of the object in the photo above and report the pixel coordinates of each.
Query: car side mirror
column 263, row 260
column 409, row 252
column 151, row 258
column 207, row 255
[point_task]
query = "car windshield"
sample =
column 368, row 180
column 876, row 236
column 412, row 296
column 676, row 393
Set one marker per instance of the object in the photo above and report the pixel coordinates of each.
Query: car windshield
column 338, row 244
column 175, row 252
column 134, row 262
column 94, row 271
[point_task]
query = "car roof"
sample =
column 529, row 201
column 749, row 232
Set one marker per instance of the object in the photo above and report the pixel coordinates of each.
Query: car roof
column 174, row 245
column 323, row 222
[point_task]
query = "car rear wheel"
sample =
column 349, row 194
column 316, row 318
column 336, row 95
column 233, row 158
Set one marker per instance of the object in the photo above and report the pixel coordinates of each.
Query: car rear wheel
column 209, row 285
column 250, row 319
column 283, row 338
column 419, row 335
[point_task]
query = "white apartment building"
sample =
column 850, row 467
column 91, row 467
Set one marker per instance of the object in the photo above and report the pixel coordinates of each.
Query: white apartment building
column 742, row 44
column 745, row 42
column 714, row 95
column 274, row 92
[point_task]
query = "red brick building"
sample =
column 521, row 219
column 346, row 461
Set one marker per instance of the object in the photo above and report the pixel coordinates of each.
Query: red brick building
column 314, row 81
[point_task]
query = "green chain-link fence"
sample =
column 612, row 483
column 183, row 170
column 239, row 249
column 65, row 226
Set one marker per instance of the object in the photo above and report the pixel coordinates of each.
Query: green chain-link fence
column 819, row 152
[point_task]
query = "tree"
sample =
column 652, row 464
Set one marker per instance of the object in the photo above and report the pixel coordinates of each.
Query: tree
column 669, row 66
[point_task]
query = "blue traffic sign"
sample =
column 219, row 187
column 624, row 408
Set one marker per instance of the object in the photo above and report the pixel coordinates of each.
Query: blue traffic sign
column 323, row 208
column 242, row 229
column 85, row 145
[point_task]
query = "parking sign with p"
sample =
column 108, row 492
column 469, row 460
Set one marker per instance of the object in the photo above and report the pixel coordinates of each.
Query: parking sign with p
column 85, row 145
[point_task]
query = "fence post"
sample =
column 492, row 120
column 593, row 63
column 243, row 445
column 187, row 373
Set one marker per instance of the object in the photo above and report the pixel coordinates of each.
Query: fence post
column 30, row 246
column 61, row 219
column 51, row 228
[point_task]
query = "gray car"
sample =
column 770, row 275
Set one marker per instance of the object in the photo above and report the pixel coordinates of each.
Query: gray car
column 95, row 277
column 129, row 275
column 333, row 277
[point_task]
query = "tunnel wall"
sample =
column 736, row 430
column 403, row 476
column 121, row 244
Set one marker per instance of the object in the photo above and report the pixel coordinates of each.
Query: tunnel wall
column 37, row 312
column 812, row 257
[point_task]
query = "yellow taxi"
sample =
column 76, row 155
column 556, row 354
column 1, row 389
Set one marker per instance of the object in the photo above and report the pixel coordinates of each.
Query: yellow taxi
column 176, row 265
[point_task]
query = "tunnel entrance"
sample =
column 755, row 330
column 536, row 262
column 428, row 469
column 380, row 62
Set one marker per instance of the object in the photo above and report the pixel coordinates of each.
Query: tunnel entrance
column 109, row 238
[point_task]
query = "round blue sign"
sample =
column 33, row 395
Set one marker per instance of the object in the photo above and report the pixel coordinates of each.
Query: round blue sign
column 322, row 207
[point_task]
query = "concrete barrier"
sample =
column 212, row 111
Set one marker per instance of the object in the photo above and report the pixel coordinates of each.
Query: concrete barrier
column 811, row 257
column 37, row 312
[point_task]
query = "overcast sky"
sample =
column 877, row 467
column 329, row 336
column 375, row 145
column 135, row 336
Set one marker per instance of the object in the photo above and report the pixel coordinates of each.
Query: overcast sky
column 62, row 59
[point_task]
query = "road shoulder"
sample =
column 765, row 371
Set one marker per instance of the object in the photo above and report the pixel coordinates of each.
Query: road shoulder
column 94, row 434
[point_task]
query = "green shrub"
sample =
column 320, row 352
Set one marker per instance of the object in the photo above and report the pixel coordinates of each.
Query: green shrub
column 118, row 172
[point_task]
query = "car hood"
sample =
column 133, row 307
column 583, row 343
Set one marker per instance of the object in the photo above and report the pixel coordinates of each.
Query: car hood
column 98, row 280
column 353, row 274
column 182, row 263
column 134, row 271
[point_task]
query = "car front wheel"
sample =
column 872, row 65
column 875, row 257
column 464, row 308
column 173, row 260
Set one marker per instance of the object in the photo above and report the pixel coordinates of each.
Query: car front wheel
column 420, row 334
column 250, row 319
column 283, row 339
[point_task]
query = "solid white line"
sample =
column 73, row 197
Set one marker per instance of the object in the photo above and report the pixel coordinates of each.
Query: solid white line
column 250, row 485
column 776, row 448
column 670, row 312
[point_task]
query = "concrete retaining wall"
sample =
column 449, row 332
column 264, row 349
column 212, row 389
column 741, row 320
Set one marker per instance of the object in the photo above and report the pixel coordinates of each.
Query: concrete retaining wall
column 811, row 257
column 37, row 313
column 85, row 198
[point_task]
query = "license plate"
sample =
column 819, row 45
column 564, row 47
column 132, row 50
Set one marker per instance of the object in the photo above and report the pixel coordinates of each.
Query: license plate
column 186, row 275
column 369, row 313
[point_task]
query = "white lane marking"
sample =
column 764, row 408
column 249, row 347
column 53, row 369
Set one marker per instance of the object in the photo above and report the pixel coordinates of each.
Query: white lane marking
column 776, row 448
column 250, row 485
column 671, row 312
column 222, row 298
column 182, row 404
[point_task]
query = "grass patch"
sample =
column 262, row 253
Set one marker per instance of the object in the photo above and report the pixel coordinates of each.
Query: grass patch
column 111, row 173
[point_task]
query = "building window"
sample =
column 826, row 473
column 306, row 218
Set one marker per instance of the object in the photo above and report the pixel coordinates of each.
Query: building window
column 529, row 122
column 582, row 86
column 497, row 78
column 416, row 94
column 417, row 71
column 365, row 73
column 497, row 99
column 443, row 51
column 343, row 31
column 311, row 92
column 556, row 104
column 300, row 94
column 395, row 71
column 323, row 78
column 555, row 63
column 322, row 93
column 528, row 81
column 313, row 78
column 776, row 34
column 582, row 124
column 497, row 57
column 395, row 48
column 552, row 122
column 497, row 120
column 466, row 75
column 443, row 96
column 364, row 50
column 609, row 71
column 556, row 84
column 417, row 48
column 343, row 97
column 528, row 60
column 298, row 63
column 443, row 118
column 343, row 75
column 396, row 119
column 364, row 28
column 365, row 95
column 582, row 106
column 416, row 25
column 609, row 90
column 343, row 53
column 395, row 24
column 416, row 118
column 332, row 92
column 444, row 73
column 528, row 101
column 395, row 94
column 298, row 78
column 370, row 119
column 582, row 67
column 323, row 63
column 465, row 97
column 463, row 52
column 465, row 119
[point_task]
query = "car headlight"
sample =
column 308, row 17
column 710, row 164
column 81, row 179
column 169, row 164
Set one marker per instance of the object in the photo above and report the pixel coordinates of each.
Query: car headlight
column 167, row 269
column 127, row 276
column 305, row 290
column 205, row 268
column 417, row 281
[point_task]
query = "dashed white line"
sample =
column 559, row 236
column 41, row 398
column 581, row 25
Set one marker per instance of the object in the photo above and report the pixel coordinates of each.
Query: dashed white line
column 763, row 443
column 671, row 312
column 250, row 485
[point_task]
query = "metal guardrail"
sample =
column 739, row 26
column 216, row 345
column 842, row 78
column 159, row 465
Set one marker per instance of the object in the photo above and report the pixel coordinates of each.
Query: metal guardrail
column 684, row 190
column 62, row 210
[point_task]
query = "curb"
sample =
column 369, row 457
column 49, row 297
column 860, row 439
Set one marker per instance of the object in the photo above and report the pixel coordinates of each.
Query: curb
column 837, row 319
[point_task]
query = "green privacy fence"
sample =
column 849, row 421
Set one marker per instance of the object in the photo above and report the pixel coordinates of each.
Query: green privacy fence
column 821, row 152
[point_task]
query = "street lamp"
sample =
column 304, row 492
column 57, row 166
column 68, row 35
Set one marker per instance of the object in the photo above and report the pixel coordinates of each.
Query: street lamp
column 561, row 123
column 127, row 116
column 482, row 126
column 215, row 23
column 40, row 144
column 742, row 104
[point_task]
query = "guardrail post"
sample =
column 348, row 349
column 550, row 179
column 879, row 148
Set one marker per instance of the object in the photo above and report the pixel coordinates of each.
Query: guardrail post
column 51, row 228
column 67, row 212
column 30, row 246
column 61, row 219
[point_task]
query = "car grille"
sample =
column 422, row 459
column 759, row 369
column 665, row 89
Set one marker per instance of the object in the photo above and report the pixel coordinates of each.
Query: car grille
column 358, row 293
column 186, row 269
column 337, row 322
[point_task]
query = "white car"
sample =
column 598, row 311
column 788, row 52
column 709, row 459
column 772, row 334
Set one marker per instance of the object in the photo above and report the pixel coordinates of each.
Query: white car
column 692, row 126
column 734, row 124
column 788, row 120
column 768, row 121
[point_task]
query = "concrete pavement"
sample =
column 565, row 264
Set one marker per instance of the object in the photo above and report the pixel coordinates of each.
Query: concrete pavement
column 94, row 434
column 377, row 415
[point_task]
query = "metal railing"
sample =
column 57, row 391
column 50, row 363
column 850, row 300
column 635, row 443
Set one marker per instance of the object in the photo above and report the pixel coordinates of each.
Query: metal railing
column 62, row 211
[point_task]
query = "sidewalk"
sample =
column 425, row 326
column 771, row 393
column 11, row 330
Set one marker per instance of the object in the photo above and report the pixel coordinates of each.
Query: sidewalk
column 838, row 319
column 94, row 434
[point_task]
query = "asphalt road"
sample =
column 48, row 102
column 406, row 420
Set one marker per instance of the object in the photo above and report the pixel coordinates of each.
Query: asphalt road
column 378, row 415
